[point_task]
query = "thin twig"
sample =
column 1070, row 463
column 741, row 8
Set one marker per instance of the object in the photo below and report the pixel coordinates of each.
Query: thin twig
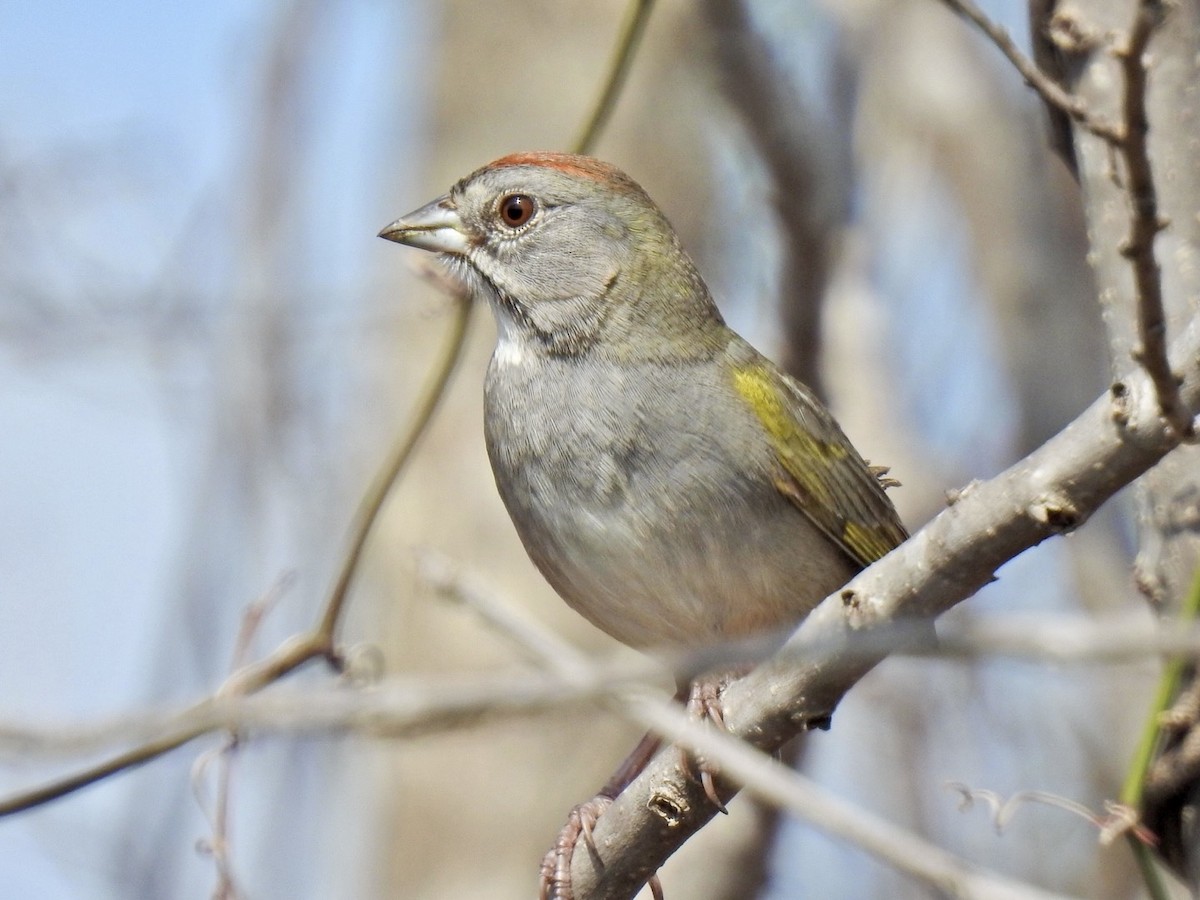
column 130, row 759
column 1118, row 818
column 287, row 657
column 377, row 493
column 630, row 36
column 217, row 846
column 223, row 757
column 1047, row 88
column 1145, row 223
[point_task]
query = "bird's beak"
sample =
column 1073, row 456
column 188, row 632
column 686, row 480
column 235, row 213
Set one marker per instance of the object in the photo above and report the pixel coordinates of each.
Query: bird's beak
column 435, row 226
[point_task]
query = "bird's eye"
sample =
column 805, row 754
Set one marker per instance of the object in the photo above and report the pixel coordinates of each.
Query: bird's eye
column 517, row 209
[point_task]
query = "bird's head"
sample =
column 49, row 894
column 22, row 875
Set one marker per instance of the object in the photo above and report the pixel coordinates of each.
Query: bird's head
column 569, row 252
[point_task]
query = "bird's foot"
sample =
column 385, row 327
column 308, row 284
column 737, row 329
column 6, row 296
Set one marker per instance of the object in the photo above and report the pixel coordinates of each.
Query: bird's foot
column 556, row 864
column 704, row 703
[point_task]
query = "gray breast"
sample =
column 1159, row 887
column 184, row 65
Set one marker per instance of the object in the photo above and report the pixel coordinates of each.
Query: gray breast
column 643, row 498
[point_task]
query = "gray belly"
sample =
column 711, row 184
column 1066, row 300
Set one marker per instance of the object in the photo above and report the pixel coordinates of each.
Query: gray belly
column 646, row 510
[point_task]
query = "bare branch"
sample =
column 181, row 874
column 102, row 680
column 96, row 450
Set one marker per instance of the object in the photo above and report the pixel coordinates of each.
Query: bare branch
column 1048, row 89
column 1145, row 223
column 1129, row 139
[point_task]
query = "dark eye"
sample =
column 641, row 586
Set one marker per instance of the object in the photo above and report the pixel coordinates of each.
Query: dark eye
column 517, row 209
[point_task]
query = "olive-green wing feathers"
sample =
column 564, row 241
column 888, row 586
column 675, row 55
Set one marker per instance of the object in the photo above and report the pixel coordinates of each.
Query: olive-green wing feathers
column 819, row 469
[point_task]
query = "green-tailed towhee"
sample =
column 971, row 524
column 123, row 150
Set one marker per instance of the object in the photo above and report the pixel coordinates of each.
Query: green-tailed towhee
column 670, row 482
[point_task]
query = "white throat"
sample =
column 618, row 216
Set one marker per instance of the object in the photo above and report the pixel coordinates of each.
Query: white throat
column 511, row 347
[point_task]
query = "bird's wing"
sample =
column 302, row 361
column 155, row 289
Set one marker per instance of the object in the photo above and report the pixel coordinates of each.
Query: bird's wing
column 820, row 471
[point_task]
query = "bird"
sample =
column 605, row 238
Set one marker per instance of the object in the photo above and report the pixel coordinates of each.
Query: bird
column 671, row 483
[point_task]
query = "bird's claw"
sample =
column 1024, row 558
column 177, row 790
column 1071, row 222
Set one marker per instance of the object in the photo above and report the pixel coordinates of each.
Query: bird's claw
column 704, row 703
column 556, row 864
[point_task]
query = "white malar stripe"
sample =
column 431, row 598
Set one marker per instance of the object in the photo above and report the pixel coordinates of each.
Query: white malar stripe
column 509, row 351
column 510, row 344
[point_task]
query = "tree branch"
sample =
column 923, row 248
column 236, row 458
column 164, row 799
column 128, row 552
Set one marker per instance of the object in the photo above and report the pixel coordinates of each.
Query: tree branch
column 1051, row 491
column 1145, row 223
column 1129, row 139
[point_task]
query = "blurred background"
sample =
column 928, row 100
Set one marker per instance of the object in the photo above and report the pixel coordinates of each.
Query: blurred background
column 205, row 354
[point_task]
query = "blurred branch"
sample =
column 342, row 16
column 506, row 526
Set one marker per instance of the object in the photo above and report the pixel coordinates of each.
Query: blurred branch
column 410, row 706
column 759, row 92
column 1051, row 491
column 400, row 707
column 530, row 637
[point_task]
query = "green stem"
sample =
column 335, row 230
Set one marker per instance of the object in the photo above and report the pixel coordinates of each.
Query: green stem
column 1135, row 781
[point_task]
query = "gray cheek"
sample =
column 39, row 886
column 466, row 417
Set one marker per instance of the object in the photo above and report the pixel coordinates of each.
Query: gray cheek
column 552, row 265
